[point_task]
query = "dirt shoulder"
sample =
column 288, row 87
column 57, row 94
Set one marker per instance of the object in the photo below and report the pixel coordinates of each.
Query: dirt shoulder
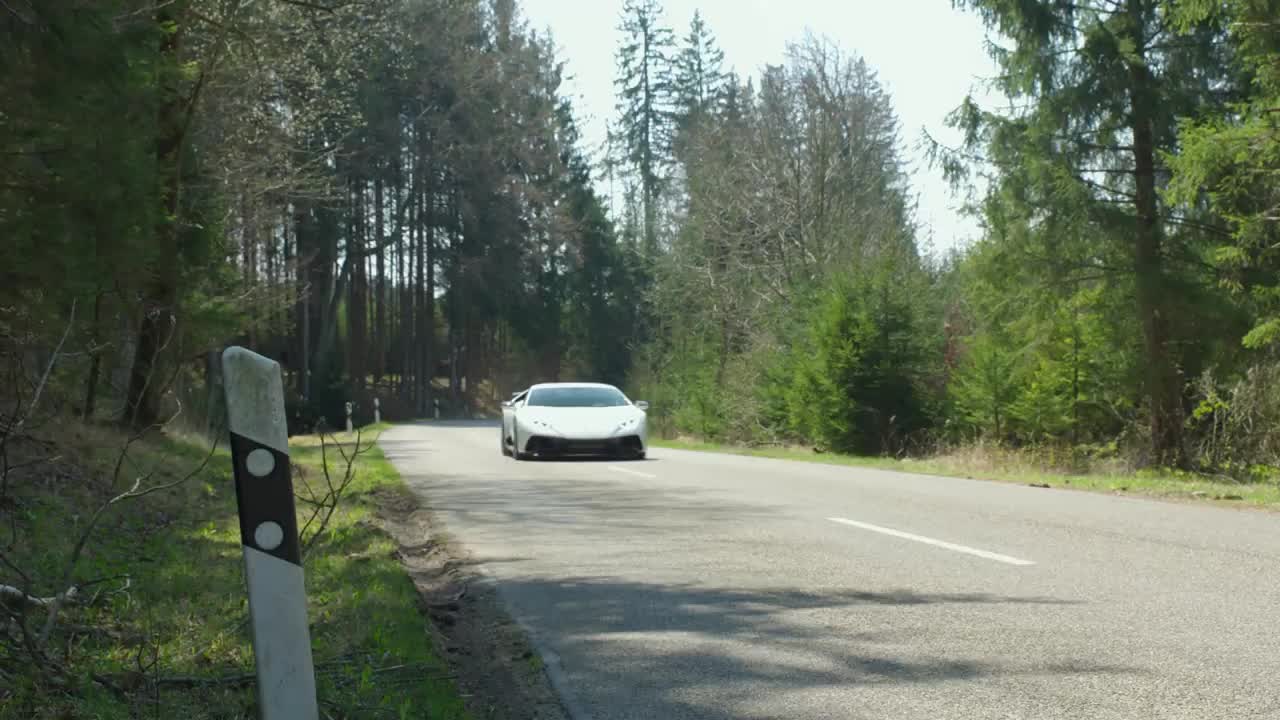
column 498, row 670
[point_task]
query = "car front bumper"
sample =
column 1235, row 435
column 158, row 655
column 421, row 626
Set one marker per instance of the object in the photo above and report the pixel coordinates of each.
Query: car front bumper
column 547, row 445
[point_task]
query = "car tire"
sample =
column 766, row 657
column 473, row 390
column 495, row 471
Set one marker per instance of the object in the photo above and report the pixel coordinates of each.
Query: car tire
column 515, row 448
column 502, row 441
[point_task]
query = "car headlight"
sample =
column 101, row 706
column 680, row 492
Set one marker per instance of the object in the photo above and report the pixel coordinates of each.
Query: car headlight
column 627, row 424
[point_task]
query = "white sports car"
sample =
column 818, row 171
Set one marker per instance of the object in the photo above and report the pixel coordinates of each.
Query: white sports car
column 557, row 419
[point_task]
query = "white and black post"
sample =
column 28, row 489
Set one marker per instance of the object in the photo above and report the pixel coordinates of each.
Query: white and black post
column 269, row 533
column 350, row 427
column 377, row 411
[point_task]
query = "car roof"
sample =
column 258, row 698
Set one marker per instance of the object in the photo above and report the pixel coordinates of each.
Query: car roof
column 541, row 386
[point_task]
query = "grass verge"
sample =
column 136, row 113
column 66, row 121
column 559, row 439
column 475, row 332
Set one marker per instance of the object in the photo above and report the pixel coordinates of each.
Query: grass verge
column 164, row 632
column 1013, row 468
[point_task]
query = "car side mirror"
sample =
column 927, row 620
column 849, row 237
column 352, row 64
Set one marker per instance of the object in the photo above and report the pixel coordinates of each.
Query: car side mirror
column 506, row 404
column 642, row 404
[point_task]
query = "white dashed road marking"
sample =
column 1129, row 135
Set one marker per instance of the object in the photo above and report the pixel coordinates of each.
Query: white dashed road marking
column 637, row 473
column 936, row 543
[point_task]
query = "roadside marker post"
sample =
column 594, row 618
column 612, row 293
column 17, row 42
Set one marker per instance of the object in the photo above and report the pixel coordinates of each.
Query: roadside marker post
column 350, row 428
column 254, row 392
column 377, row 411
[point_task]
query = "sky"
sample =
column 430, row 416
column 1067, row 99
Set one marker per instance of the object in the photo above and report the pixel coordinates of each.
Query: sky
column 928, row 56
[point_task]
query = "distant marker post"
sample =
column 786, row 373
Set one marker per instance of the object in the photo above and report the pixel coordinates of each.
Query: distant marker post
column 350, row 428
column 377, row 411
column 269, row 535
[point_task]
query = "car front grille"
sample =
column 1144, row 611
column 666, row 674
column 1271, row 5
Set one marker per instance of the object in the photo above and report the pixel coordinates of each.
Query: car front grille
column 542, row 445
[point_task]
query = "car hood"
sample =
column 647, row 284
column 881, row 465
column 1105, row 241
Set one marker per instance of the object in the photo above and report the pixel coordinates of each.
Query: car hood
column 587, row 422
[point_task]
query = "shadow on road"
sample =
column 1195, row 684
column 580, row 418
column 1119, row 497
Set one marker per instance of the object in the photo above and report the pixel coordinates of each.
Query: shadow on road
column 680, row 650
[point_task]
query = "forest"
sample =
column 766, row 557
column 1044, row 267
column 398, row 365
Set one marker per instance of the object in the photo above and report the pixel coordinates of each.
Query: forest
column 394, row 200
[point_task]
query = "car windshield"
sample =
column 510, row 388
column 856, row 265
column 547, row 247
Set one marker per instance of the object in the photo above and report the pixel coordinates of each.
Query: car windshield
column 577, row 397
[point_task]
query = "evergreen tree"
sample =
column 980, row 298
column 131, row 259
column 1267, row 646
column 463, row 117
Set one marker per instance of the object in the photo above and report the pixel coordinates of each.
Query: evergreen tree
column 1227, row 161
column 858, row 380
column 645, row 106
column 1102, row 85
column 700, row 81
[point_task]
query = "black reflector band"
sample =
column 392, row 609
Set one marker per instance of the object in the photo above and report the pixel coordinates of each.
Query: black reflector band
column 268, row 521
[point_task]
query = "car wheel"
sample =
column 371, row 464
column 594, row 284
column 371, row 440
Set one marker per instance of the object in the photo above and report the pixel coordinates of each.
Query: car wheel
column 515, row 448
column 502, row 441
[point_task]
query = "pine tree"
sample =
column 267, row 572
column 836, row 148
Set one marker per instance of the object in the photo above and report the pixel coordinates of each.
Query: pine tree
column 1101, row 85
column 1228, row 162
column 700, row 80
column 645, row 105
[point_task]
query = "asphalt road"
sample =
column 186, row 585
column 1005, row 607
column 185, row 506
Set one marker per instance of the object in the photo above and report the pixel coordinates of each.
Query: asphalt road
column 697, row 585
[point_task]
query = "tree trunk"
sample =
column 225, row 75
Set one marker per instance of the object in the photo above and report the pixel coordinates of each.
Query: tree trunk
column 356, row 312
column 458, row 300
column 421, row 322
column 380, row 289
column 301, row 262
column 428, row 321
column 328, row 292
column 288, row 352
column 415, row 283
column 95, row 363
column 1163, row 385
column 402, row 282
column 215, row 407
column 141, row 400
column 249, row 261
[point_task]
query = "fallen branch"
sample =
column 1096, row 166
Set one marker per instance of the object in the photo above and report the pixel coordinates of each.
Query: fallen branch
column 18, row 598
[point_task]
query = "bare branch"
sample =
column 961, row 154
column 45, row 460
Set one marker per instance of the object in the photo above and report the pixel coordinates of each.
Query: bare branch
column 168, row 486
column 317, row 6
column 12, row 11
column 44, row 379
column 326, row 507
column 132, row 493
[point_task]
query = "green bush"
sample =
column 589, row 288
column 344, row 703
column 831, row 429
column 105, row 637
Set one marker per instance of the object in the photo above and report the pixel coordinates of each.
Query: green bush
column 855, row 383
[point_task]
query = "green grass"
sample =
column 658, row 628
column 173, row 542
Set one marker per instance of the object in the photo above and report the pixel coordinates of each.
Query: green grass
column 183, row 614
column 1012, row 467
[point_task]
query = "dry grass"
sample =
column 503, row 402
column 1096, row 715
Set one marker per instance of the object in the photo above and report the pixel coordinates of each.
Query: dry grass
column 1059, row 468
